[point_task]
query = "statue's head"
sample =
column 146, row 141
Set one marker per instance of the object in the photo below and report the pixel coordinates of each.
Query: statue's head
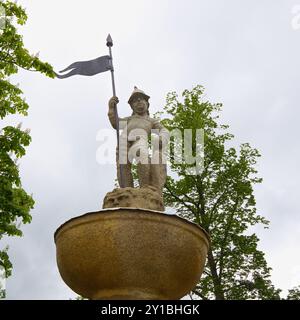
column 139, row 102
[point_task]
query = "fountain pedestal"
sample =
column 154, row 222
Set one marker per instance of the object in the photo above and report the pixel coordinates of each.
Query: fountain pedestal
column 131, row 254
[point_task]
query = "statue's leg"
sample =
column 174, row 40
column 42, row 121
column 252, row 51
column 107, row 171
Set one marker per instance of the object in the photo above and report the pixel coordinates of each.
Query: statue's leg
column 143, row 171
column 127, row 175
column 158, row 170
column 143, row 166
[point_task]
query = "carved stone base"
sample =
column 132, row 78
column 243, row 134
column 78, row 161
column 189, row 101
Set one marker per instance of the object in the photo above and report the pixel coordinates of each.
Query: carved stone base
column 144, row 198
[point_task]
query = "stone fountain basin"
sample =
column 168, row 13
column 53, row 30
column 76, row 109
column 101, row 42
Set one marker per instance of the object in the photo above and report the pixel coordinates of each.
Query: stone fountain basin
column 129, row 253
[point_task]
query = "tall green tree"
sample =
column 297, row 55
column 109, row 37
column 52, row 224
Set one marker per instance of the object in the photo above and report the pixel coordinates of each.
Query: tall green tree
column 221, row 200
column 15, row 203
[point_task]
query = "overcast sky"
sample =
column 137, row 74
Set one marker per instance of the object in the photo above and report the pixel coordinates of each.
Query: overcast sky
column 246, row 55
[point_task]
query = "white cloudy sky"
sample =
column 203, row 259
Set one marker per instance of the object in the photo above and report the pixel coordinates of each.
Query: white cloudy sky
column 245, row 53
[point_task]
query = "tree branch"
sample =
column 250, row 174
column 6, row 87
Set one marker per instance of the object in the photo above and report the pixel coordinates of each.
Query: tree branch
column 199, row 295
column 215, row 205
column 226, row 233
column 179, row 199
column 18, row 65
column 218, row 290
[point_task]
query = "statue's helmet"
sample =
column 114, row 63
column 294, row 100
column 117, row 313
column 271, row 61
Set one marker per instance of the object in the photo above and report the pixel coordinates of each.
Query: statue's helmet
column 136, row 93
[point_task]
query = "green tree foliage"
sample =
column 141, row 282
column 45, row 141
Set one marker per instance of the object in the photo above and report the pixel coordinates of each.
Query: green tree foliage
column 5, row 266
column 15, row 203
column 294, row 294
column 221, row 200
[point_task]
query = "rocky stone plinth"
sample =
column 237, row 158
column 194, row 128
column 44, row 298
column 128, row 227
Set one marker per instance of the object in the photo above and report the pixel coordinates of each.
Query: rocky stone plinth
column 145, row 198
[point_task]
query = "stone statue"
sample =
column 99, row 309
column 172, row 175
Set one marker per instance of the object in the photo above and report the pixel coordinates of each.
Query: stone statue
column 134, row 146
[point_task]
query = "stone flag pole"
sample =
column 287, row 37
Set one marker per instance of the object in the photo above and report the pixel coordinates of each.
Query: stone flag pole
column 131, row 249
column 109, row 43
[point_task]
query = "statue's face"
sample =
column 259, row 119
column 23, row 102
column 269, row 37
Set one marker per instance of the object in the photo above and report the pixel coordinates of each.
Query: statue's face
column 140, row 105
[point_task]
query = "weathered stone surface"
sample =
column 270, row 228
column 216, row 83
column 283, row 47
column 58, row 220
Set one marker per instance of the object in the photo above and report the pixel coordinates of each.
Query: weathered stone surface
column 146, row 198
column 131, row 254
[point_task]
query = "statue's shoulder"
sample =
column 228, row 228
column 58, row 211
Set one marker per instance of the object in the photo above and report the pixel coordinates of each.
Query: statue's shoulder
column 154, row 120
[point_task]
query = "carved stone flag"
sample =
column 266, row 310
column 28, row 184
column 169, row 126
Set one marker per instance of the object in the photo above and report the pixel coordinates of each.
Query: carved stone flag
column 87, row 68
